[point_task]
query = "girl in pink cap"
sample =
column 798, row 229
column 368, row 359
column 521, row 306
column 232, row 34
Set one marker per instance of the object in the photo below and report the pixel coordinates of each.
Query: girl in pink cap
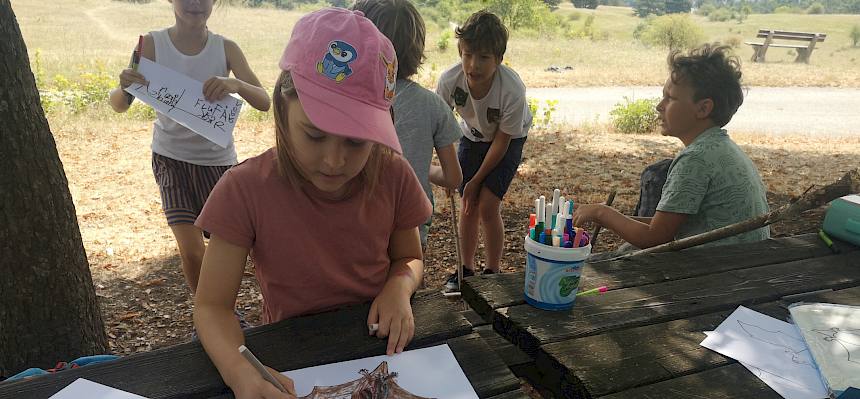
column 330, row 215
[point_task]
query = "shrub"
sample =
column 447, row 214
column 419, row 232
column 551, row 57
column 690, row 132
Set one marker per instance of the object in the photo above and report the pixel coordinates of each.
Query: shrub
column 89, row 90
column 675, row 31
column 635, row 117
column 855, row 35
column 787, row 10
column 588, row 31
column 444, row 40
column 815, row 8
column 734, row 41
column 720, row 14
column 541, row 115
column 706, row 9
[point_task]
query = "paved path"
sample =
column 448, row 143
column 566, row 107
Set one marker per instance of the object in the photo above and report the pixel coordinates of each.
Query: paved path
column 775, row 110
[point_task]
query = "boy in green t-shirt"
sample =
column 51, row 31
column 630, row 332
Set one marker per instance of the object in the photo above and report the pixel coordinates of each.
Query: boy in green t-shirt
column 711, row 183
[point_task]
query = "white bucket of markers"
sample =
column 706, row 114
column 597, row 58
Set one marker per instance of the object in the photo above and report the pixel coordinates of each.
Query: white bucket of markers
column 552, row 274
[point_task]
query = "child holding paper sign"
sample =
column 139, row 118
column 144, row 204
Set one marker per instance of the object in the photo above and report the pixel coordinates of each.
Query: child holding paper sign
column 330, row 215
column 186, row 165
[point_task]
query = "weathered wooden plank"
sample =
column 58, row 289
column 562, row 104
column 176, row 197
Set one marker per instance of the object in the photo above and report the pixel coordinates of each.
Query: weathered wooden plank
column 184, row 371
column 518, row 394
column 727, row 382
column 611, row 362
column 485, row 293
column 654, row 268
column 486, row 371
column 528, row 327
column 513, row 357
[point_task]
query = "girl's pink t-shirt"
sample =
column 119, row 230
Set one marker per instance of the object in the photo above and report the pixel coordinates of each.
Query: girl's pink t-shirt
column 313, row 253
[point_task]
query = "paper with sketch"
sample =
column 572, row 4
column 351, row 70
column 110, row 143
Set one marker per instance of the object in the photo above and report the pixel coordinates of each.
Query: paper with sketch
column 783, row 387
column 832, row 333
column 771, row 345
column 181, row 99
column 424, row 373
column 82, row 388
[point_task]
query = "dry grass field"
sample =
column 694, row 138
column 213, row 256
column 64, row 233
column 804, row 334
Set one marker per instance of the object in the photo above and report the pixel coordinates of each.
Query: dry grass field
column 76, row 36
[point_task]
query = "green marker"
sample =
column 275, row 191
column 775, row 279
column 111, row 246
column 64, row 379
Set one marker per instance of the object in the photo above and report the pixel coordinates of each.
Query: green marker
column 593, row 291
column 827, row 241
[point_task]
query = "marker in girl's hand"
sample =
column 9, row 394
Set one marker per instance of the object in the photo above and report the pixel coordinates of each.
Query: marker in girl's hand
column 373, row 328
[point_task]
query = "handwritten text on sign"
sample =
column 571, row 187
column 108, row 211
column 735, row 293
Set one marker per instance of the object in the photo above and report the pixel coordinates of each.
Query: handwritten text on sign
column 181, row 99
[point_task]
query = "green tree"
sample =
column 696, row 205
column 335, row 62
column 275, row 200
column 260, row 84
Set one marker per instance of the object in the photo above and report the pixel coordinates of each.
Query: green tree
column 677, row 32
column 678, row 6
column 644, row 8
column 518, row 13
column 552, row 4
column 743, row 13
column 590, row 4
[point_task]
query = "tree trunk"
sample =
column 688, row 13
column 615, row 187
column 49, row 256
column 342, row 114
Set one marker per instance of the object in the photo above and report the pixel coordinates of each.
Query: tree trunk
column 48, row 307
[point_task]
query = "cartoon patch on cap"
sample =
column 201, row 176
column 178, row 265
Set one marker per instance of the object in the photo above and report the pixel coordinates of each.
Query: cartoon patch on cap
column 390, row 76
column 335, row 64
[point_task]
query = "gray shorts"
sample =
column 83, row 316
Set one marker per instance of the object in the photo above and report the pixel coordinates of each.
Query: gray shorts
column 184, row 187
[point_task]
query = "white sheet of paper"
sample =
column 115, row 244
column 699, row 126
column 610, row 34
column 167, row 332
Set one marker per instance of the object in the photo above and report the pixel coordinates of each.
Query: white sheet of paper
column 783, row 387
column 833, row 335
column 430, row 372
column 82, row 388
column 771, row 345
column 181, row 99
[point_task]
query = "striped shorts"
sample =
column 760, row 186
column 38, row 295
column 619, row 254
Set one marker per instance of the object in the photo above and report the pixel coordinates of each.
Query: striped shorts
column 184, row 187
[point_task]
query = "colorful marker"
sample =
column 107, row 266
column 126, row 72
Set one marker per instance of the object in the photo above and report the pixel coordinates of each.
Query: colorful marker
column 541, row 214
column 827, row 241
column 577, row 237
column 593, row 291
column 137, row 52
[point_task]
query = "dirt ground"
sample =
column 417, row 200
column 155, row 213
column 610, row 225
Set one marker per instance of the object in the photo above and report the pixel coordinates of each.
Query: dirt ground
column 135, row 265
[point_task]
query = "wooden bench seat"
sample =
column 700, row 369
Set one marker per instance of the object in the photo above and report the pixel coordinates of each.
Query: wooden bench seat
column 804, row 51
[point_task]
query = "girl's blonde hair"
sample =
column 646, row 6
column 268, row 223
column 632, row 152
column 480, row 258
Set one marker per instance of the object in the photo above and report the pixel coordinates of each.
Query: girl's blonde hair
column 285, row 91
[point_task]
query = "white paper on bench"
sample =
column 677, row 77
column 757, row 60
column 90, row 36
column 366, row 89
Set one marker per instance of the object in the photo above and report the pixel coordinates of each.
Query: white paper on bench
column 783, row 387
column 771, row 345
column 82, row 388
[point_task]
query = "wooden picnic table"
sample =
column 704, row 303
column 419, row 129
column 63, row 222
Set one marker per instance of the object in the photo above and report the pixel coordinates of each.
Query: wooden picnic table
column 641, row 338
column 185, row 371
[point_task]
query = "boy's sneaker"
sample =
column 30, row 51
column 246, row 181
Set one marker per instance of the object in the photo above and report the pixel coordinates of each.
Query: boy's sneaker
column 488, row 271
column 451, row 283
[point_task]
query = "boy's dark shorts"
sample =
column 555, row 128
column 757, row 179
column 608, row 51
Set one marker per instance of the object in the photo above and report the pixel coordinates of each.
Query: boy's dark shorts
column 471, row 154
column 184, row 187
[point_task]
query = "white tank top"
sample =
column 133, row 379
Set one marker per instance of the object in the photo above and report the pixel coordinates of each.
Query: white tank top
column 172, row 139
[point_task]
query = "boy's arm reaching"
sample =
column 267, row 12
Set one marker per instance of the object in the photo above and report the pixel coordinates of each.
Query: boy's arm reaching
column 246, row 84
column 661, row 229
column 217, row 326
column 391, row 309
column 449, row 174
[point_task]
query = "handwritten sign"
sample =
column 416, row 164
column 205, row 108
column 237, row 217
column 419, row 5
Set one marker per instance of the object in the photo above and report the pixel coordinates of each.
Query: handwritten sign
column 180, row 98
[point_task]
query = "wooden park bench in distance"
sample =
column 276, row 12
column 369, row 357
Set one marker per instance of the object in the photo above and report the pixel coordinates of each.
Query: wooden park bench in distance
column 769, row 35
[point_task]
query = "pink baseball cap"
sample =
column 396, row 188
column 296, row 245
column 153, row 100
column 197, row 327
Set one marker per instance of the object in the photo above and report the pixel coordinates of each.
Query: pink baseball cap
column 344, row 71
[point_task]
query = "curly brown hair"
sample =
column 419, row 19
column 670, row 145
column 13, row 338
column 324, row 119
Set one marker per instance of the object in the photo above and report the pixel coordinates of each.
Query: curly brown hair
column 713, row 72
